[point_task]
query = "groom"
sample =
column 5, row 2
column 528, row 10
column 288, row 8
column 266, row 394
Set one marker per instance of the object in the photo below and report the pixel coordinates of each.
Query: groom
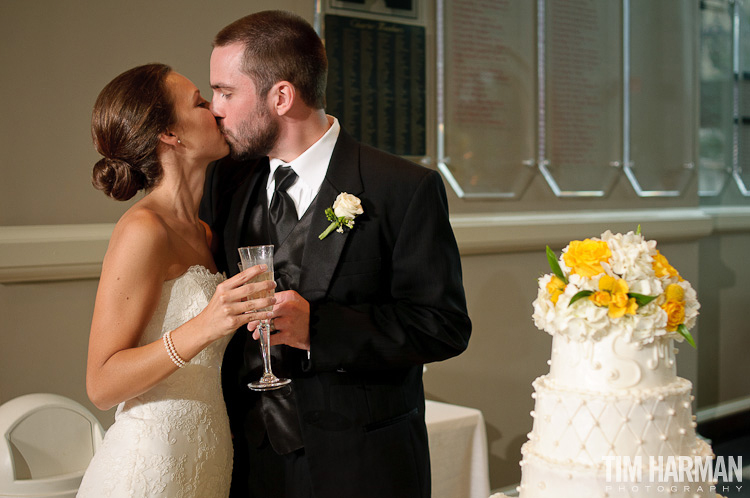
column 359, row 311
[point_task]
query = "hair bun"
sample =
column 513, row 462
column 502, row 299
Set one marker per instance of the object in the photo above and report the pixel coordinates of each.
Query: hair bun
column 117, row 178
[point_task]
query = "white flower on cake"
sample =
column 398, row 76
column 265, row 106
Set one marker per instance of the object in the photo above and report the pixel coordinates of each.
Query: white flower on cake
column 614, row 284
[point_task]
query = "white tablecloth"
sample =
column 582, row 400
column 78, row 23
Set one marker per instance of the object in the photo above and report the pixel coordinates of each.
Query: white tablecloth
column 458, row 451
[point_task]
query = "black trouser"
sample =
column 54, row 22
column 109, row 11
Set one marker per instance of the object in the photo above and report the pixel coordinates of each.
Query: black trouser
column 262, row 473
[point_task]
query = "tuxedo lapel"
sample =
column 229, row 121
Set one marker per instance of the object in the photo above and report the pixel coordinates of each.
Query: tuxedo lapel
column 322, row 256
column 241, row 205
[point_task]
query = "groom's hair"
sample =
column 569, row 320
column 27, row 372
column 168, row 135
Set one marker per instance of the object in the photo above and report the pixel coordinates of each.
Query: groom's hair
column 280, row 46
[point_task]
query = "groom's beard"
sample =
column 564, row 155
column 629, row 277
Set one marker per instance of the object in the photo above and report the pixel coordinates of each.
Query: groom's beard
column 255, row 136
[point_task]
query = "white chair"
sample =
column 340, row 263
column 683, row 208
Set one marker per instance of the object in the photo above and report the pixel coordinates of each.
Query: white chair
column 48, row 443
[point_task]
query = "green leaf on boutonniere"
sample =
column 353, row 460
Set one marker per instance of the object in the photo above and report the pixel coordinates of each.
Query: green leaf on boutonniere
column 638, row 230
column 580, row 295
column 684, row 332
column 554, row 265
column 641, row 299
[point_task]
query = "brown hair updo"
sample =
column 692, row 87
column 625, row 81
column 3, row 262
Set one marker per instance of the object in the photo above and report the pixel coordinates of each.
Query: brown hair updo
column 129, row 114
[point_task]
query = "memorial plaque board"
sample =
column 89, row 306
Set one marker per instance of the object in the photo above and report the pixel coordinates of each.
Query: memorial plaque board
column 583, row 120
column 742, row 164
column 662, row 95
column 376, row 82
column 716, row 135
column 487, row 96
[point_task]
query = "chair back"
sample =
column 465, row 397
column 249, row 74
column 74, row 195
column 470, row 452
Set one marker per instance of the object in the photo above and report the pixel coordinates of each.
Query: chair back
column 48, row 441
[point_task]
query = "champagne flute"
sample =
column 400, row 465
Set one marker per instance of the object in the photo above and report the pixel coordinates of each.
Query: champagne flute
column 262, row 255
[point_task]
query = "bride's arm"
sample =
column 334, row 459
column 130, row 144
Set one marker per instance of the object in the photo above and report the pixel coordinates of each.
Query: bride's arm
column 133, row 272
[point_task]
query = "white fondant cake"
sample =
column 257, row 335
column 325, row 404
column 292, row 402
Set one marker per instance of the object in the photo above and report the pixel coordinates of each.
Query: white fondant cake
column 614, row 307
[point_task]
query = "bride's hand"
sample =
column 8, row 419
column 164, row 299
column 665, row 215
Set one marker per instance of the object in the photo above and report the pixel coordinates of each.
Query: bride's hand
column 231, row 306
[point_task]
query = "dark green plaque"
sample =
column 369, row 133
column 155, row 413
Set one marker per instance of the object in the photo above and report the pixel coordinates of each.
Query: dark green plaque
column 376, row 82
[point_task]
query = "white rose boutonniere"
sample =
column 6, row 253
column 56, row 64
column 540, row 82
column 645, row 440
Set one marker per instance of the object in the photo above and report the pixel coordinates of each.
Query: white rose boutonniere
column 345, row 208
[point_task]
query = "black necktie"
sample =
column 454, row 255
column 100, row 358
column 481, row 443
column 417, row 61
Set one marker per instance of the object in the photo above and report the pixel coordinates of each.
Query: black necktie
column 282, row 213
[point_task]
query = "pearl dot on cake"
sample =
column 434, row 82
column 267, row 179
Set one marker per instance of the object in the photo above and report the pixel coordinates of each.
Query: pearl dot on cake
column 682, row 431
column 660, row 397
column 663, row 437
column 671, row 412
column 650, row 416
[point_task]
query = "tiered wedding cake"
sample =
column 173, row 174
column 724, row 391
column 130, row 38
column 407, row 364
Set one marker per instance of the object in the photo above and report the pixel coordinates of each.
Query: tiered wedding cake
column 612, row 419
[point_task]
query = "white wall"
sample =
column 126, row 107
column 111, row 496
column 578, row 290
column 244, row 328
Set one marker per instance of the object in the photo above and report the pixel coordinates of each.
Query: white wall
column 56, row 56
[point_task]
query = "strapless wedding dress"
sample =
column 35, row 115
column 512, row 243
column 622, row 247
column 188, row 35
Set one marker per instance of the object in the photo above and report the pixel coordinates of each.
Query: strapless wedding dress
column 173, row 440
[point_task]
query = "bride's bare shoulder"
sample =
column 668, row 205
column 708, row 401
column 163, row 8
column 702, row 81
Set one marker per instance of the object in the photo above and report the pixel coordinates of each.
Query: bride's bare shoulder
column 141, row 233
column 142, row 220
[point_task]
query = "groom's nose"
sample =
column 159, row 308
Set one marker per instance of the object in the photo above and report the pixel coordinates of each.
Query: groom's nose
column 215, row 110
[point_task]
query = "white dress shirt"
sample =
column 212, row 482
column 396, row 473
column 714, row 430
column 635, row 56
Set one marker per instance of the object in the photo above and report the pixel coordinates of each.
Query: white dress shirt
column 311, row 167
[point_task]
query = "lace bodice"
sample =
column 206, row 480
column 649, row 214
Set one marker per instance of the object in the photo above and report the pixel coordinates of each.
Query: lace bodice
column 182, row 299
column 173, row 440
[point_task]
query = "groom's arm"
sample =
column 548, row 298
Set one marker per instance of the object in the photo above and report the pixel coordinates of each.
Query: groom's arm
column 425, row 317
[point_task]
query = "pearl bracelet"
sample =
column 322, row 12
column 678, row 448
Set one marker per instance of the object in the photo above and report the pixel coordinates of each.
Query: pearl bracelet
column 171, row 351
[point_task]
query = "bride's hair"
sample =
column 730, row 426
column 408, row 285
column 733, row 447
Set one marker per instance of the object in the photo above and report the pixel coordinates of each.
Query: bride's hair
column 129, row 115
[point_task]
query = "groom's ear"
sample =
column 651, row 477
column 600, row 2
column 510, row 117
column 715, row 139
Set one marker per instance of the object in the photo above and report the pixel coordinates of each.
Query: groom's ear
column 283, row 96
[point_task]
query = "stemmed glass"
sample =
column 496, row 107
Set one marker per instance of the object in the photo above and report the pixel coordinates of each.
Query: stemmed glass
column 262, row 255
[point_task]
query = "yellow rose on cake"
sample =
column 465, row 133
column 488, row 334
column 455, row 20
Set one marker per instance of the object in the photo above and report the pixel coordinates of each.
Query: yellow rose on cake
column 615, row 284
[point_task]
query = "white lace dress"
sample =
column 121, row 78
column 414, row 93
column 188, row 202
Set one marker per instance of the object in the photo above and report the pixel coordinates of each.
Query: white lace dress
column 173, row 440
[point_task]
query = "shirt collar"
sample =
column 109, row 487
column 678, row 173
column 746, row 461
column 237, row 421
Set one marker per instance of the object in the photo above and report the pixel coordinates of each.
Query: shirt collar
column 311, row 166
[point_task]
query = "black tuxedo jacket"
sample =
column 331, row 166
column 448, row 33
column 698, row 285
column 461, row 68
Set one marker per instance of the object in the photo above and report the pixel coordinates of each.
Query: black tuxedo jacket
column 385, row 297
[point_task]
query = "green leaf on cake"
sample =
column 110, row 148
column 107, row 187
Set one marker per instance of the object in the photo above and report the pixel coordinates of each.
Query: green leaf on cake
column 554, row 265
column 580, row 295
column 641, row 299
column 684, row 332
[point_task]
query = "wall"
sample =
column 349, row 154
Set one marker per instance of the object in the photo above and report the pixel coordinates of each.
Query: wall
column 54, row 226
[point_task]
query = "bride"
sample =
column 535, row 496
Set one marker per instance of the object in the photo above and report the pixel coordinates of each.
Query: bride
column 162, row 315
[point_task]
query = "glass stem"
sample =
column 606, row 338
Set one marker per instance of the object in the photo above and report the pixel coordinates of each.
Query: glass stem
column 265, row 348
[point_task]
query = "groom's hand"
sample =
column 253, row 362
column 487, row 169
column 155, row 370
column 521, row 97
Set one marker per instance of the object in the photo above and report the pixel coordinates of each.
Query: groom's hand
column 291, row 320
